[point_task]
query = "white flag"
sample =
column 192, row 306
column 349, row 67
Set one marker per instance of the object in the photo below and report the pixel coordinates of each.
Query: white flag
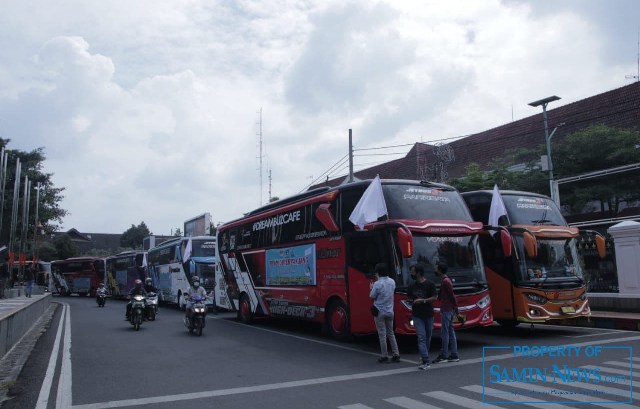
column 187, row 251
column 497, row 208
column 371, row 205
column 144, row 260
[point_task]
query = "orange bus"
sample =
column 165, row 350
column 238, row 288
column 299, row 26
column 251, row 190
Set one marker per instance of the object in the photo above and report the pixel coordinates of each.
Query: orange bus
column 302, row 258
column 532, row 265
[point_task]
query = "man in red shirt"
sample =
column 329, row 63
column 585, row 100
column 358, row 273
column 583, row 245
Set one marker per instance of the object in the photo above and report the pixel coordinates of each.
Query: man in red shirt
column 448, row 308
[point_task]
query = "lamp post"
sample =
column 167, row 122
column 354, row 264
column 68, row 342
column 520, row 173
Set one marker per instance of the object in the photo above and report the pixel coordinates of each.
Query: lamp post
column 543, row 102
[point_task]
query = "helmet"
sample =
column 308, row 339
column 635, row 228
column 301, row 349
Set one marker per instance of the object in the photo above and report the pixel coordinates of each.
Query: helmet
column 196, row 281
column 148, row 281
column 138, row 282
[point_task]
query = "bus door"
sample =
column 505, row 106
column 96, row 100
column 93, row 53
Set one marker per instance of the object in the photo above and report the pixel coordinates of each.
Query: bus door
column 365, row 250
column 499, row 271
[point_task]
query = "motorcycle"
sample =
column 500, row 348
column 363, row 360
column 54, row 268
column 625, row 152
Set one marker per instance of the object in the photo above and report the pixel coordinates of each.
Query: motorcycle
column 101, row 298
column 137, row 311
column 195, row 321
column 151, row 309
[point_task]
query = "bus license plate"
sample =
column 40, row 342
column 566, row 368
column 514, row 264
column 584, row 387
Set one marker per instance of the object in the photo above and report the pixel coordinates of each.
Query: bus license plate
column 568, row 309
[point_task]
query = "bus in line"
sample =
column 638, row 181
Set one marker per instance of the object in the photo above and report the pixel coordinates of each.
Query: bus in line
column 533, row 266
column 78, row 275
column 302, row 258
column 172, row 274
column 122, row 270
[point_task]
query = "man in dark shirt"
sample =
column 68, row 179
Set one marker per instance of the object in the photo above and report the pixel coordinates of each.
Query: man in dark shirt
column 448, row 308
column 422, row 293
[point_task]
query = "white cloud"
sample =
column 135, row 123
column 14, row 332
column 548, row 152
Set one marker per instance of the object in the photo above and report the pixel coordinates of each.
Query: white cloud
column 148, row 111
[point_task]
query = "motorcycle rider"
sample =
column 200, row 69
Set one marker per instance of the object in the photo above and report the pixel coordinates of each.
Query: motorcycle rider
column 136, row 290
column 148, row 285
column 194, row 290
column 101, row 291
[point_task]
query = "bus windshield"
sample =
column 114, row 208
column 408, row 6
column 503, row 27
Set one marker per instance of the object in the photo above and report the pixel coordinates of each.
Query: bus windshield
column 556, row 260
column 458, row 252
column 422, row 202
column 532, row 210
column 73, row 266
column 204, row 248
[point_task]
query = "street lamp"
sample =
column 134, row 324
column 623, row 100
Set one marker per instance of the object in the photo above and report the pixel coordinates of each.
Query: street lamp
column 543, row 102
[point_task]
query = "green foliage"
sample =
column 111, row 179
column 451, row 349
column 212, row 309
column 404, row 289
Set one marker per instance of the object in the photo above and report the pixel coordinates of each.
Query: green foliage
column 134, row 236
column 598, row 148
column 47, row 251
column 50, row 213
column 65, row 247
column 177, row 232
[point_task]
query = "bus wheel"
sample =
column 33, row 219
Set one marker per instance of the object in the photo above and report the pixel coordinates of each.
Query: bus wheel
column 338, row 321
column 508, row 323
column 244, row 312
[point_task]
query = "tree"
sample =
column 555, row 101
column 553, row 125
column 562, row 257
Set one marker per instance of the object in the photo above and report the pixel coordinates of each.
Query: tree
column 134, row 236
column 598, row 148
column 50, row 213
column 177, row 232
column 65, row 247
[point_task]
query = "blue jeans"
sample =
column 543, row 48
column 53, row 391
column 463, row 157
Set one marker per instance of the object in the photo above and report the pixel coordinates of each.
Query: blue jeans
column 424, row 328
column 28, row 288
column 448, row 335
column 384, row 326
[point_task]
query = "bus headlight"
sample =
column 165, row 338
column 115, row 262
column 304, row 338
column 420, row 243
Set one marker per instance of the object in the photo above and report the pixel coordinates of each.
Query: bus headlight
column 484, row 301
column 536, row 298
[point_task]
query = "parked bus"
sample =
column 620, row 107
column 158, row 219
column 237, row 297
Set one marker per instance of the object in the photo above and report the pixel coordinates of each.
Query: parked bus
column 123, row 270
column 302, row 258
column 172, row 274
column 533, row 266
column 80, row 275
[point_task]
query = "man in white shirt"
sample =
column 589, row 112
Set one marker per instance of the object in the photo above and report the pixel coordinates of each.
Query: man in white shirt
column 382, row 294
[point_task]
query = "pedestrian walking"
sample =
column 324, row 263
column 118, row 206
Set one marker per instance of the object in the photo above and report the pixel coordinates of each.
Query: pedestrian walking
column 422, row 293
column 382, row 293
column 29, row 276
column 448, row 308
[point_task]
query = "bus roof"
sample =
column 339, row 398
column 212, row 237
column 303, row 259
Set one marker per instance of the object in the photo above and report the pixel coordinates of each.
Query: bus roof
column 504, row 192
column 319, row 193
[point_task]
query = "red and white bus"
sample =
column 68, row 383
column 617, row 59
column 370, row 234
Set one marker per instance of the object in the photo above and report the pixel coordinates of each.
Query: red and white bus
column 80, row 275
column 302, row 258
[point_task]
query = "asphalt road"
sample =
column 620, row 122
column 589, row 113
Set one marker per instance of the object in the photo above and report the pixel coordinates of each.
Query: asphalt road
column 100, row 361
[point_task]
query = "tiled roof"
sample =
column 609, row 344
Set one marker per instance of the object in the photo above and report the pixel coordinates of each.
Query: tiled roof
column 618, row 108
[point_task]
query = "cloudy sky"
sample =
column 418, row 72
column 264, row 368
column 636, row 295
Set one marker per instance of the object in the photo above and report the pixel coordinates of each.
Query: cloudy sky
column 150, row 110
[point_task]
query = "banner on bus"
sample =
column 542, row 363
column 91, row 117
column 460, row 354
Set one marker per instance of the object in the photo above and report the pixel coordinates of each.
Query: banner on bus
column 292, row 265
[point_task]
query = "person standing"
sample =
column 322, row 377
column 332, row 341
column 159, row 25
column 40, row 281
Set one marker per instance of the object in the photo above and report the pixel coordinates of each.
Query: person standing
column 382, row 294
column 422, row 293
column 448, row 308
column 29, row 276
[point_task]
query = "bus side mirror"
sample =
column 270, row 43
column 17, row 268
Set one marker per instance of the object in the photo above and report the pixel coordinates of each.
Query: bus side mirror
column 323, row 213
column 600, row 245
column 530, row 244
column 405, row 241
column 505, row 240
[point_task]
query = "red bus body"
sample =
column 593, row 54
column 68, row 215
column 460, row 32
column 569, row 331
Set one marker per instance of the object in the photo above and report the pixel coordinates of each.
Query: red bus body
column 302, row 258
column 79, row 275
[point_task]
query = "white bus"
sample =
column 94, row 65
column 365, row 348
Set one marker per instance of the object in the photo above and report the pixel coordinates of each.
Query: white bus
column 172, row 272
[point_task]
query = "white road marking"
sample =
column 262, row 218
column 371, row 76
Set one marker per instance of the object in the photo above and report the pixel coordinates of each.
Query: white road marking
column 45, row 390
column 64, row 383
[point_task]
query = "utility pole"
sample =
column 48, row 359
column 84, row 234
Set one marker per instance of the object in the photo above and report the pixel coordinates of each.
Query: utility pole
column 544, row 102
column 36, row 226
column 4, row 158
column 350, row 157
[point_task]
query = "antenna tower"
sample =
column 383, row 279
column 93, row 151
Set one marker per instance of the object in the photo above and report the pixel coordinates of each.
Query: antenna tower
column 260, row 148
column 637, row 76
